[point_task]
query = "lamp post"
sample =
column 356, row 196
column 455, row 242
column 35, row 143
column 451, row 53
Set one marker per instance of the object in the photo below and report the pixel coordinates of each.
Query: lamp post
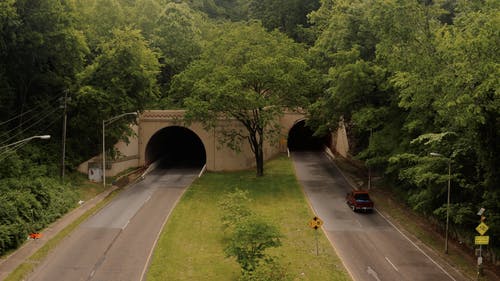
column 43, row 137
column 448, row 199
column 4, row 149
column 369, row 166
column 104, row 123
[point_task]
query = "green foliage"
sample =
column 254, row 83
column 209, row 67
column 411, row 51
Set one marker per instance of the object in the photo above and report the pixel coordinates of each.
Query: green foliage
column 247, row 74
column 121, row 79
column 98, row 19
column 177, row 35
column 235, row 10
column 267, row 270
column 28, row 205
column 287, row 16
column 423, row 76
column 250, row 239
column 401, row 75
column 234, row 207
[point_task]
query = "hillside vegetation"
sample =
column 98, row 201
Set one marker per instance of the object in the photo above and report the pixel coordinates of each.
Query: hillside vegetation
column 407, row 78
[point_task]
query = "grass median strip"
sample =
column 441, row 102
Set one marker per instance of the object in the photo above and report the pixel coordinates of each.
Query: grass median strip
column 192, row 242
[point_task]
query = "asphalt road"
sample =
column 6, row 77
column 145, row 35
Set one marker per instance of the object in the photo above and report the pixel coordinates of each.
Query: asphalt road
column 117, row 242
column 369, row 246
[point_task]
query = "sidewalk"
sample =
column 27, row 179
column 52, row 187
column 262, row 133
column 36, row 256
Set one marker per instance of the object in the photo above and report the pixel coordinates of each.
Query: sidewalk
column 11, row 262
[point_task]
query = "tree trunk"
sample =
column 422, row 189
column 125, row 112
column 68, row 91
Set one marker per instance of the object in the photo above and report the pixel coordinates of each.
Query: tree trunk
column 259, row 160
column 256, row 142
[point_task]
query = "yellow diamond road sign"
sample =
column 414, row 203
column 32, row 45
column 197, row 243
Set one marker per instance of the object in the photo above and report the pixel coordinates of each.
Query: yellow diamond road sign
column 482, row 228
column 315, row 223
column 481, row 240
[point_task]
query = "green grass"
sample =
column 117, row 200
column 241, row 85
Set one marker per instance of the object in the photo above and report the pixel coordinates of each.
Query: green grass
column 192, row 242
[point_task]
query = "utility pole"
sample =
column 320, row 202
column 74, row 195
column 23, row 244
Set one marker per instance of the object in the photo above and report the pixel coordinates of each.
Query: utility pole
column 65, row 117
column 369, row 167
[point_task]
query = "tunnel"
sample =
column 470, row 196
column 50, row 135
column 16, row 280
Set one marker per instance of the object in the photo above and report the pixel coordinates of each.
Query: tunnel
column 301, row 138
column 175, row 147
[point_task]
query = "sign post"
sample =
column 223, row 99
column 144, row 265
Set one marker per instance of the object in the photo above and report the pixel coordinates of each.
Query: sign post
column 316, row 223
column 481, row 240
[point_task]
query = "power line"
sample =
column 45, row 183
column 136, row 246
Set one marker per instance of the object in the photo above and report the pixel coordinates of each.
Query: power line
column 45, row 114
column 26, row 112
column 29, row 127
column 9, row 150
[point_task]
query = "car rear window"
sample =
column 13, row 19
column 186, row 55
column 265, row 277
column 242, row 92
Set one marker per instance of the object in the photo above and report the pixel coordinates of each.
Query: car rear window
column 362, row 197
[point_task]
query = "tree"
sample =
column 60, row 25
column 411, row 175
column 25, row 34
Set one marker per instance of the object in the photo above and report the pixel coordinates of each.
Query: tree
column 249, row 241
column 40, row 53
column 143, row 15
column 417, row 72
column 288, row 16
column 234, row 207
column 98, row 19
column 121, row 79
column 235, row 10
column 178, row 37
column 249, row 75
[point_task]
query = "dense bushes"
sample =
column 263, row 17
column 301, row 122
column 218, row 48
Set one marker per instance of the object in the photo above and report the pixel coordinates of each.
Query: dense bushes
column 28, row 205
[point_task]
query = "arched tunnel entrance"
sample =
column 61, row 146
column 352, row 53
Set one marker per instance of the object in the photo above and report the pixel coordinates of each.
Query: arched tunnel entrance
column 176, row 146
column 301, row 138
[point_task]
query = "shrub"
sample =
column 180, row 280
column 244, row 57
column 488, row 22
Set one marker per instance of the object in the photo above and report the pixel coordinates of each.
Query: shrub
column 234, row 207
column 250, row 239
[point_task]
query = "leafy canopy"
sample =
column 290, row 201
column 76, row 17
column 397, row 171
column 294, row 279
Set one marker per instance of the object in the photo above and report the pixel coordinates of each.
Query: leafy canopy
column 247, row 74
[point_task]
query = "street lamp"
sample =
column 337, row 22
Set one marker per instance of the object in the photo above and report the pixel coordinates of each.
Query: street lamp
column 369, row 166
column 43, row 137
column 20, row 143
column 104, row 123
column 448, row 198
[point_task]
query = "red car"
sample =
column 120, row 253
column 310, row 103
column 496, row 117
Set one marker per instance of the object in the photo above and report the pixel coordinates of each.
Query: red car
column 359, row 201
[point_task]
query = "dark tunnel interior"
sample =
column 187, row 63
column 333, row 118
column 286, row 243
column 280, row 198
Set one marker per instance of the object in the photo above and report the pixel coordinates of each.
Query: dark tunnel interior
column 176, row 147
column 300, row 138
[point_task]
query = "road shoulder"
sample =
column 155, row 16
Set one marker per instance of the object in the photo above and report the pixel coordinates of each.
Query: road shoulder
column 354, row 176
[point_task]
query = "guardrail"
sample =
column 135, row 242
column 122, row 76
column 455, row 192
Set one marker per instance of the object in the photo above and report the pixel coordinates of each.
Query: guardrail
column 151, row 167
column 202, row 170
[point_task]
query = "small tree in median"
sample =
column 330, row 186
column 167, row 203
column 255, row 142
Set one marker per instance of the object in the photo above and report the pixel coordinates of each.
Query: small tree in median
column 234, row 207
column 250, row 239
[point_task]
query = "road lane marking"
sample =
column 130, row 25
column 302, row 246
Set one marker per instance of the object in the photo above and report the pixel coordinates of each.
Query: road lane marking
column 143, row 274
column 359, row 223
column 389, row 261
column 372, row 272
column 394, row 226
column 416, row 246
column 125, row 226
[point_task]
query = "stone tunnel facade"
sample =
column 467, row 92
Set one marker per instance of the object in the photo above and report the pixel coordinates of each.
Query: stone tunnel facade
column 216, row 156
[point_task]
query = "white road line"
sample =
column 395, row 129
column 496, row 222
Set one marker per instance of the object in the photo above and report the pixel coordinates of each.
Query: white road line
column 389, row 261
column 359, row 223
column 397, row 229
column 143, row 274
column 125, row 225
column 373, row 273
column 416, row 246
